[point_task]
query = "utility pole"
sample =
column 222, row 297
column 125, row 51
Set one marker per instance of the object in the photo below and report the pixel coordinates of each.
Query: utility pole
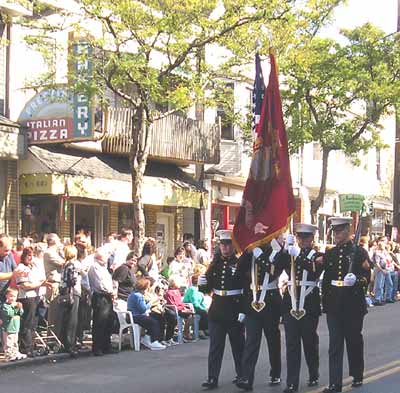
column 396, row 180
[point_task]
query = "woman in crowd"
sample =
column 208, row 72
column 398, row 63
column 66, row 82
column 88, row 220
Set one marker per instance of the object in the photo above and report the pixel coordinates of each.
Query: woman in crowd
column 173, row 297
column 84, row 309
column 393, row 268
column 125, row 277
column 29, row 283
column 165, row 316
column 382, row 279
column 70, row 294
column 181, row 267
column 148, row 263
column 141, row 310
column 203, row 255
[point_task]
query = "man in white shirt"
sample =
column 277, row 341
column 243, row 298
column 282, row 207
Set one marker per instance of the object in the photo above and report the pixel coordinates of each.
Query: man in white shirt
column 122, row 249
column 102, row 303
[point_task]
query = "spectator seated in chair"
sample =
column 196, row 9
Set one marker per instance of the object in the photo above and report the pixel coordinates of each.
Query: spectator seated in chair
column 141, row 312
column 174, row 298
column 195, row 297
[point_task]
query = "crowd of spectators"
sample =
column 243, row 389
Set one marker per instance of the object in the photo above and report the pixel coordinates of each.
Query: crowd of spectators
column 76, row 290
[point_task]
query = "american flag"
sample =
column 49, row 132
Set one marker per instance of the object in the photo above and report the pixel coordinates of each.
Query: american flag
column 258, row 93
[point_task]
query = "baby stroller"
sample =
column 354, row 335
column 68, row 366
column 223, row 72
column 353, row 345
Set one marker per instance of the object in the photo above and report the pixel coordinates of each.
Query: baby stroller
column 46, row 341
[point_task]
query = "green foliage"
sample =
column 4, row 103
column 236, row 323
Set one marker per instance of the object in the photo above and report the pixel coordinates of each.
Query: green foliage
column 155, row 52
column 336, row 94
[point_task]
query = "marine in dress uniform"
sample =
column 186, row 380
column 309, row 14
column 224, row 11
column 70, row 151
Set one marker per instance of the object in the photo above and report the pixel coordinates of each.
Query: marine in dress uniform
column 222, row 279
column 347, row 274
column 262, row 309
column 301, row 307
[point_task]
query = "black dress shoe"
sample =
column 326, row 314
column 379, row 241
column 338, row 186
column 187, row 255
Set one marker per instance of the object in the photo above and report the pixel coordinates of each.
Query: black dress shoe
column 210, row 383
column 332, row 389
column 274, row 381
column 313, row 382
column 73, row 354
column 290, row 389
column 244, row 384
column 357, row 382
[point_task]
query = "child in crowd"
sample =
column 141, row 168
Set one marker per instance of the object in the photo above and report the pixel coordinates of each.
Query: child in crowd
column 195, row 297
column 11, row 312
column 173, row 297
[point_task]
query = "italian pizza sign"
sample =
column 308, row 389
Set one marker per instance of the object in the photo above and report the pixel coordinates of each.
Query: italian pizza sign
column 59, row 114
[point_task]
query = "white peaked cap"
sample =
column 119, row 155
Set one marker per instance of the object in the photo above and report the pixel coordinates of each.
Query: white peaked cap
column 305, row 228
column 336, row 221
column 224, row 234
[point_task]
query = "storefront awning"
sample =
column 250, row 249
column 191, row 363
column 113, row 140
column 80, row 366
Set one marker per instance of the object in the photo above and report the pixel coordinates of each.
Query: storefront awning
column 12, row 140
column 60, row 171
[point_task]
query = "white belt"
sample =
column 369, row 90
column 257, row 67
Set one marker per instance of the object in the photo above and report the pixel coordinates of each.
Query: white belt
column 303, row 283
column 268, row 287
column 339, row 283
column 231, row 292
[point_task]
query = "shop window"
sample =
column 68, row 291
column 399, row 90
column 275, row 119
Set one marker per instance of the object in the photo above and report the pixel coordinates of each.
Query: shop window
column 218, row 217
column 125, row 216
column 39, row 216
column 233, row 211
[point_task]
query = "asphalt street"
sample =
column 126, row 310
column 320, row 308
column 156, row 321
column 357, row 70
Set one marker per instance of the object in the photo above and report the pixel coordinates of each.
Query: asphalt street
column 181, row 369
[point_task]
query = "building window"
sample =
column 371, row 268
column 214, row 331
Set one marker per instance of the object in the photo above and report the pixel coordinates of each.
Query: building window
column 378, row 164
column 233, row 211
column 317, row 151
column 225, row 112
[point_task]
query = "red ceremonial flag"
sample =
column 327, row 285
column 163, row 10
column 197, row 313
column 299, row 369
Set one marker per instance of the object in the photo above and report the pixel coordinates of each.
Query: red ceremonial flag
column 268, row 203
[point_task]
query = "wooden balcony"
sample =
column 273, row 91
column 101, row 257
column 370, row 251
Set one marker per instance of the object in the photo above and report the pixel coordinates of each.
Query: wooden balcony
column 174, row 138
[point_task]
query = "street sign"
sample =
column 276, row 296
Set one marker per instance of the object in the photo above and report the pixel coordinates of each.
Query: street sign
column 351, row 202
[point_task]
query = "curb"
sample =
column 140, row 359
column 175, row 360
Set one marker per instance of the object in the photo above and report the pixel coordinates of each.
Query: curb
column 39, row 360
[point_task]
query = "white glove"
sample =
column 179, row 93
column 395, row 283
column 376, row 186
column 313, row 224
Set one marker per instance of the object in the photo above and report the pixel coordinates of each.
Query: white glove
column 257, row 252
column 294, row 251
column 275, row 245
column 290, row 241
column 272, row 256
column 202, row 280
column 241, row 317
column 349, row 280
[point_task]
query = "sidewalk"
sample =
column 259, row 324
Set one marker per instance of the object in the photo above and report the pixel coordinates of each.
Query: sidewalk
column 38, row 360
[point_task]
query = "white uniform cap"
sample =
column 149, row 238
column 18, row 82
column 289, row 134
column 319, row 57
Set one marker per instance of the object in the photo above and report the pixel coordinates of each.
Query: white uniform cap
column 224, row 234
column 336, row 221
column 305, row 228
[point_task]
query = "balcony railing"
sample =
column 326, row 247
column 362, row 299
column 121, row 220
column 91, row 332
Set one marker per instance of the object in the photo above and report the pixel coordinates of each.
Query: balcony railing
column 173, row 137
column 16, row 7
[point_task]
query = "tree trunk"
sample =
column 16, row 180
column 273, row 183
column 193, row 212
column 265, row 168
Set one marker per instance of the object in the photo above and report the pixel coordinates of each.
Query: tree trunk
column 138, row 161
column 316, row 204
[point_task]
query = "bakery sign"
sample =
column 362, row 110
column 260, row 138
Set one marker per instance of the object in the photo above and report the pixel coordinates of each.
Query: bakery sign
column 60, row 114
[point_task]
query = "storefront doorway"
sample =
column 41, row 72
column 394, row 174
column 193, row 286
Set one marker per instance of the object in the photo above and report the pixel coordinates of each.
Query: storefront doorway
column 92, row 219
column 165, row 235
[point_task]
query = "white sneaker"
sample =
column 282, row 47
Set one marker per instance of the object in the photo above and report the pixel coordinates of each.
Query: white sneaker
column 21, row 356
column 156, row 346
column 166, row 343
column 173, row 342
column 146, row 341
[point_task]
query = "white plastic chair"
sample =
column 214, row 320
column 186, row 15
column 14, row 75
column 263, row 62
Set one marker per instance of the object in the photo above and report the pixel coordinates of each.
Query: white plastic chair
column 126, row 322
